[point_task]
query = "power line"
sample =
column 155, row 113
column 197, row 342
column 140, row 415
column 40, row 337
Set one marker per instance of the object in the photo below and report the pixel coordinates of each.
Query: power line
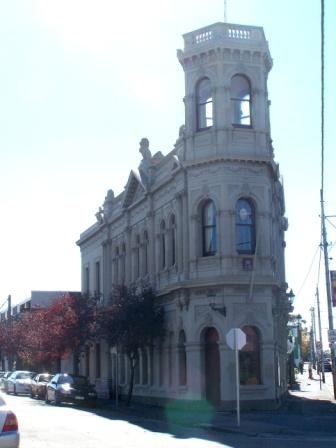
column 308, row 273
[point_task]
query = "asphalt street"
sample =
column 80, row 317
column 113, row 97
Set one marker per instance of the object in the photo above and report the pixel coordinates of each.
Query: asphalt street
column 307, row 420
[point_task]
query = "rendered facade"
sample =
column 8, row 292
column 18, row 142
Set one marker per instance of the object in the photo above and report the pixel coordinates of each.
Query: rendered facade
column 204, row 225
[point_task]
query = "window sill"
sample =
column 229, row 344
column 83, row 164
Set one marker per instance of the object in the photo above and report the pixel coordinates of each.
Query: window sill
column 204, row 129
column 242, row 126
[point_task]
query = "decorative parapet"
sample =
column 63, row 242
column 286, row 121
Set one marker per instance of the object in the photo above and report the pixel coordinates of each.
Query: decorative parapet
column 225, row 35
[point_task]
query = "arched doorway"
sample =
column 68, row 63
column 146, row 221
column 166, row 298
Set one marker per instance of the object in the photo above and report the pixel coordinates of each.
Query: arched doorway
column 211, row 366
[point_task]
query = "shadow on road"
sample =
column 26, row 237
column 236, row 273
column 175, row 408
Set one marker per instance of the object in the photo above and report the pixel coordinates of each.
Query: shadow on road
column 298, row 414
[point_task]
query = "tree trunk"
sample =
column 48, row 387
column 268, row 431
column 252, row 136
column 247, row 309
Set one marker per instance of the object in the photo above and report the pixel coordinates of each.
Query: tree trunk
column 131, row 381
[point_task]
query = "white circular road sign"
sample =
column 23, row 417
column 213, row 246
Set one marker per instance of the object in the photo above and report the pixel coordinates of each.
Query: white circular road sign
column 236, row 338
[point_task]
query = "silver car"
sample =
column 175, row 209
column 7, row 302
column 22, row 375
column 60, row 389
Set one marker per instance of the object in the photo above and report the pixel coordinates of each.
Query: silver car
column 9, row 430
column 19, row 382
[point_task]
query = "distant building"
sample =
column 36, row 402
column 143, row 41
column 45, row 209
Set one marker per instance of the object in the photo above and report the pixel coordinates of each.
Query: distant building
column 205, row 226
column 39, row 299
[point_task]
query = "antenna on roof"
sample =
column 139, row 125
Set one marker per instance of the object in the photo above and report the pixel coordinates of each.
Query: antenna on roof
column 225, row 11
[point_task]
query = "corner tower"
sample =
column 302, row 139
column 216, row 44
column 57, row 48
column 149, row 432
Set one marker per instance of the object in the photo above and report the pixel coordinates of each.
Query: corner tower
column 226, row 104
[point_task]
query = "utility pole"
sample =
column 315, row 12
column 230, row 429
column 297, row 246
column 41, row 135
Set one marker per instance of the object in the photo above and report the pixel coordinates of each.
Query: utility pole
column 321, row 357
column 313, row 336
column 328, row 288
column 323, row 226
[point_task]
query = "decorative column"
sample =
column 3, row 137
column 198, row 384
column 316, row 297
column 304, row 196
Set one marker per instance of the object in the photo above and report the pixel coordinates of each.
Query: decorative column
column 151, row 249
column 179, row 234
column 186, row 233
column 106, row 268
column 219, row 116
column 190, row 121
column 128, row 261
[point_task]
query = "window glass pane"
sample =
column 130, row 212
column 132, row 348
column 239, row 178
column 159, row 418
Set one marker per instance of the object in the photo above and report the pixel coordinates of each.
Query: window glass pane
column 163, row 245
column 209, row 229
column 208, row 114
column 245, row 227
column 209, row 216
column 204, row 104
column 204, row 91
column 249, row 358
column 210, row 241
column 146, row 253
column 240, row 101
column 240, row 88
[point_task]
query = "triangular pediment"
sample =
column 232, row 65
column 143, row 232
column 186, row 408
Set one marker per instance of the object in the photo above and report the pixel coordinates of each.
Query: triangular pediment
column 133, row 190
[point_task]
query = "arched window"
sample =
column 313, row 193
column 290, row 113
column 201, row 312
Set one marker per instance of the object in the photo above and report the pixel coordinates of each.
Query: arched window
column 209, row 236
column 240, row 101
column 137, row 257
column 245, row 227
column 163, row 244
column 145, row 255
column 182, row 359
column 123, row 264
column 116, row 266
column 172, row 240
column 122, row 368
column 137, row 370
column 144, row 364
column 204, row 104
column 249, row 357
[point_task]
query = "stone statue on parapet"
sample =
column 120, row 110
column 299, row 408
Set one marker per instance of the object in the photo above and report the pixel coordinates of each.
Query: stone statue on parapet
column 100, row 216
column 144, row 149
column 108, row 204
column 145, row 164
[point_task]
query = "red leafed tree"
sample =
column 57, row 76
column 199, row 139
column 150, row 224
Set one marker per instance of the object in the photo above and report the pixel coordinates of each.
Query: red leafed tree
column 12, row 334
column 71, row 324
column 40, row 337
column 31, row 348
column 132, row 322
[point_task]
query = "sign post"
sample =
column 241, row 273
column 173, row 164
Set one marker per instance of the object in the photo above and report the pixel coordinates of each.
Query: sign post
column 236, row 339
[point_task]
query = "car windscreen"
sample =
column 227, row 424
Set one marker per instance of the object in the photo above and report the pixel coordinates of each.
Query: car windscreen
column 23, row 376
column 77, row 380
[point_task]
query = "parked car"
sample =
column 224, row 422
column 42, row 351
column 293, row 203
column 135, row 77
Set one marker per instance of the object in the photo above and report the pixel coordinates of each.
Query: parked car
column 3, row 380
column 38, row 385
column 68, row 388
column 9, row 430
column 327, row 365
column 19, row 382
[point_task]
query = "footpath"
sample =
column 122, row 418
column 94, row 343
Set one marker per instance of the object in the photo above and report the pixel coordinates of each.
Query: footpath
column 309, row 411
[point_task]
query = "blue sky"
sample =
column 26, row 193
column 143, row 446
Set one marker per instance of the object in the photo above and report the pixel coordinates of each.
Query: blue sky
column 81, row 82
